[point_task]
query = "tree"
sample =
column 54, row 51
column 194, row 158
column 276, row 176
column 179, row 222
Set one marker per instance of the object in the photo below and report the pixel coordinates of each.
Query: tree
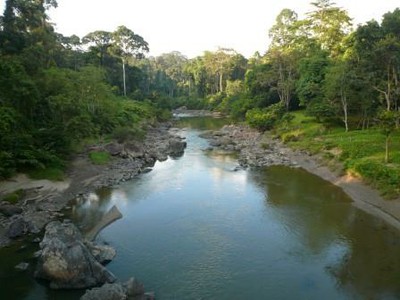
column 312, row 70
column 99, row 42
column 329, row 25
column 127, row 44
column 284, row 54
column 378, row 50
column 338, row 87
column 388, row 121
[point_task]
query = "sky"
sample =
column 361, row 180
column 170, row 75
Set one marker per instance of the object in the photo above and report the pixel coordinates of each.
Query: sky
column 193, row 26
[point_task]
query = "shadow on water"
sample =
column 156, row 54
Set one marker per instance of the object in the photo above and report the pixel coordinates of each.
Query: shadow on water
column 320, row 215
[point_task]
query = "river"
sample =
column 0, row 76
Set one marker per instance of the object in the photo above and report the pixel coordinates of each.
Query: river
column 194, row 228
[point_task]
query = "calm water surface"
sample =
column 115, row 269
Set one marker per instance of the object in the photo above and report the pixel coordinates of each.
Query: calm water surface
column 195, row 229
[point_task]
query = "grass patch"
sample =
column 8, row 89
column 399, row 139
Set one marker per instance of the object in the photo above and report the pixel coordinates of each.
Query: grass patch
column 14, row 197
column 50, row 173
column 361, row 151
column 99, row 157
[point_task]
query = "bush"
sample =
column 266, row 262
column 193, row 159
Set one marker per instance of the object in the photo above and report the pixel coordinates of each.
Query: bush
column 265, row 119
column 322, row 111
column 384, row 177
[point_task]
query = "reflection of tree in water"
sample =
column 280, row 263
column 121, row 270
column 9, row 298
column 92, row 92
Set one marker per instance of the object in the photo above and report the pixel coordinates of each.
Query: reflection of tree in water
column 310, row 207
column 319, row 215
column 88, row 209
column 372, row 267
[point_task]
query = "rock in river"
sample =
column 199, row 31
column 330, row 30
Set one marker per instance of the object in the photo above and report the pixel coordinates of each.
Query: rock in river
column 132, row 289
column 66, row 262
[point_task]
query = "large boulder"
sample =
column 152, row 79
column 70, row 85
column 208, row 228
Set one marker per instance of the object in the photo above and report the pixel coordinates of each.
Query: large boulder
column 20, row 227
column 66, row 262
column 9, row 210
column 113, row 148
column 176, row 147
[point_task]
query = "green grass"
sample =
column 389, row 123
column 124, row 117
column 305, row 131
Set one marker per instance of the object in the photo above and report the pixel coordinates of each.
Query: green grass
column 49, row 173
column 361, row 152
column 99, row 157
column 14, row 197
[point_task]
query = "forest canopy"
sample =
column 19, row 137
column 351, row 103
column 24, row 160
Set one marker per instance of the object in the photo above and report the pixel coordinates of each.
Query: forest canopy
column 56, row 90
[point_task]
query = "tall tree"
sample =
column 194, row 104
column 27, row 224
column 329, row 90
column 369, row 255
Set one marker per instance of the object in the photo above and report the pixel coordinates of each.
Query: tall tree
column 329, row 24
column 99, row 42
column 127, row 44
column 283, row 54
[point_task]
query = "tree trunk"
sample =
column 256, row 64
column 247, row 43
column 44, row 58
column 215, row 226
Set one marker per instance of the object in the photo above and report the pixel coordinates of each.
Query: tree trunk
column 345, row 111
column 387, row 149
column 123, row 76
column 221, row 86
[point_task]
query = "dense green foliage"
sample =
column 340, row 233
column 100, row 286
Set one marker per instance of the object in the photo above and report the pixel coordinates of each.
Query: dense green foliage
column 57, row 91
column 54, row 95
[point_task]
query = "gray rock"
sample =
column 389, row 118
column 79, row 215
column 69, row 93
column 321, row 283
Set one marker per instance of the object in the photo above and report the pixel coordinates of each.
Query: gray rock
column 102, row 253
column 113, row 148
column 66, row 262
column 10, row 210
column 176, row 147
column 23, row 266
column 18, row 228
column 106, row 292
column 132, row 289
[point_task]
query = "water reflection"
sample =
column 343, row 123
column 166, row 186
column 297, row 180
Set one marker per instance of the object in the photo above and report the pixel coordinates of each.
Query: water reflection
column 366, row 251
column 88, row 209
column 193, row 228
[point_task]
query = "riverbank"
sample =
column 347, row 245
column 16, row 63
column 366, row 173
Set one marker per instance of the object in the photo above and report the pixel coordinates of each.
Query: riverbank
column 259, row 150
column 43, row 200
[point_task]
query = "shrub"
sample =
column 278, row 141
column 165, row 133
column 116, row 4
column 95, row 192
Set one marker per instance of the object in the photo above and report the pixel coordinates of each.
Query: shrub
column 265, row 119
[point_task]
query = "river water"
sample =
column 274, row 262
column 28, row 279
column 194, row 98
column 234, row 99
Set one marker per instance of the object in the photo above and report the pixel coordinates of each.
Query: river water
column 193, row 228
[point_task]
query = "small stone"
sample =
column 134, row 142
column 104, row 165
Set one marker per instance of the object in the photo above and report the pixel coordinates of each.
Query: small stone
column 23, row 266
column 37, row 254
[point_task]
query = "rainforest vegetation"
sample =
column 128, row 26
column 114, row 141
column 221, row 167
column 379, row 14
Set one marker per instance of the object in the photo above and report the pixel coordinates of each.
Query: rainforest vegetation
column 322, row 84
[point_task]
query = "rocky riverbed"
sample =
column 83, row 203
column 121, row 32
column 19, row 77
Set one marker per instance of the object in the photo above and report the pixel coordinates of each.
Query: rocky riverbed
column 252, row 147
column 43, row 200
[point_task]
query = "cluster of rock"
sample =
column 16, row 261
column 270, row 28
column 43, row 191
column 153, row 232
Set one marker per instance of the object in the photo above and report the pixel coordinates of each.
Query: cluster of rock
column 135, row 156
column 39, row 207
column 254, row 150
column 68, row 261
